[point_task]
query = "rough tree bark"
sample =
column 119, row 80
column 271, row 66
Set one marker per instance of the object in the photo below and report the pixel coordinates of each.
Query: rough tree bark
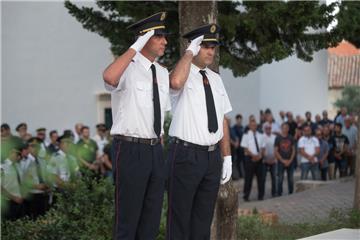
column 193, row 14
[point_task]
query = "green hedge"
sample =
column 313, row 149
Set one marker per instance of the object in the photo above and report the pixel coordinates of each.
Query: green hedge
column 86, row 210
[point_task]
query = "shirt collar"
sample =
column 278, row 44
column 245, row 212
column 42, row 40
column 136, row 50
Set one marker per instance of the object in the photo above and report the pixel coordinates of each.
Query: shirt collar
column 143, row 60
column 195, row 69
column 61, row 152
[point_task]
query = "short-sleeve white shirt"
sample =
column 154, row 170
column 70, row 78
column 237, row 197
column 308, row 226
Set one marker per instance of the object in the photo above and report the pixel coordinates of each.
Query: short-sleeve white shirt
column 189, row 113
column 59, row 165
column 248, row 141
column 132, row 100
column 9, row 178
column 309, row 144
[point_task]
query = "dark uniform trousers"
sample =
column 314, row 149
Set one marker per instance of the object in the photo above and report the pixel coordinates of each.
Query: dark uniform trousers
column 14, row 210
column 36, row 204
column 139, row 175
column 194, row 179
column 254, row 168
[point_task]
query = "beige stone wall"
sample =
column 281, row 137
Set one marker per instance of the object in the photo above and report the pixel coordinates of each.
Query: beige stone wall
column 333, row 95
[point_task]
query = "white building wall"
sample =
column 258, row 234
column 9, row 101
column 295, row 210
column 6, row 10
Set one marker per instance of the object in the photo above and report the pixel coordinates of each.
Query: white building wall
column 295, row 85
column 243, row 93
column 51, row 67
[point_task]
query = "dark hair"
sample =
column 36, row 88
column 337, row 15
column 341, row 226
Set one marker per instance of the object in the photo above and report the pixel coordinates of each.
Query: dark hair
column 5, row 126
column 238, row 116
column 285, row 123
column 267, row 111
column 339, row 125
column 52, row 132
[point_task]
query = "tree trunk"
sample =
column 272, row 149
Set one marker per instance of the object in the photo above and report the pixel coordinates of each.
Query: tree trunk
column 192, row 15
column 357, row 169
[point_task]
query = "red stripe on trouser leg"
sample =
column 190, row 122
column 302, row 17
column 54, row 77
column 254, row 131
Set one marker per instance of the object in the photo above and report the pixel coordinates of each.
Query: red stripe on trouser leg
column 170, row 195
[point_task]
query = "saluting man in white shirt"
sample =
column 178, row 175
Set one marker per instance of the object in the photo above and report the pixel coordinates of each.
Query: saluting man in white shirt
column 200, row 156
column 139, row 89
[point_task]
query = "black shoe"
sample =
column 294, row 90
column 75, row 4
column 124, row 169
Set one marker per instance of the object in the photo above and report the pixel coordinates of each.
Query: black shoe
column 261, row 198
column 246, row 199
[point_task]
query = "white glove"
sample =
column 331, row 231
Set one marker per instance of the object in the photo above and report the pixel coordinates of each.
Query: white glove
column 142, row 40
column 226, row 170
column 194, row 46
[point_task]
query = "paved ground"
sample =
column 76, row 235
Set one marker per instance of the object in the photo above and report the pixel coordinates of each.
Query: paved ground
column 305, row 206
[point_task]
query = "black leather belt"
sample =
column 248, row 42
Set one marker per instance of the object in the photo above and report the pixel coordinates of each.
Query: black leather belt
column 148, row 141
column 193, row 145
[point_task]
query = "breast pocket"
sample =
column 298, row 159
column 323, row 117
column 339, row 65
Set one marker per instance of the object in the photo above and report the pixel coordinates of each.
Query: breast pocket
column 195, row 93
column 144, row 94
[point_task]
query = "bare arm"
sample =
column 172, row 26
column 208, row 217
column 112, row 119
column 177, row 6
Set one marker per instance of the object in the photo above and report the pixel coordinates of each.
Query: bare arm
column 115, row 70
column 225, row 141
column 277, row 155
column 107, row 161
column 181, row 72
column 292, row 154
column 304, row 154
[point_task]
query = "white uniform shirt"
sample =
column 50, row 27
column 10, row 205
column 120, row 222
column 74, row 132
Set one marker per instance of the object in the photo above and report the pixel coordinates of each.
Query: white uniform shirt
column 25, row 163
column 309, row 144
column 9, row 178
column 100, row 142
column 189, row 120
column 132, row 100
column 59, row 165
column 248, row 141
column 269, row 147
column 32, row 173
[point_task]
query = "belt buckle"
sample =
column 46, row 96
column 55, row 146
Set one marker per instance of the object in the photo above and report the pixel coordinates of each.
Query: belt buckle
column 153, row 141
column 211, row 148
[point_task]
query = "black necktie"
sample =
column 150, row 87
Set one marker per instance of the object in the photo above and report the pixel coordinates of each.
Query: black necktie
column 256, row 143
column 17, row 173
column 157, row 113
column 210, row 105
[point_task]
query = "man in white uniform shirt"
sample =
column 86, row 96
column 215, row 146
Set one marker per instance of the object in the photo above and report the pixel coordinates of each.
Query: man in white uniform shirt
column 11, row 182
column 309, row 149
column 200, row 138
column 254, row 148
column 63, row 165
column 139, row 98
column 37, row 201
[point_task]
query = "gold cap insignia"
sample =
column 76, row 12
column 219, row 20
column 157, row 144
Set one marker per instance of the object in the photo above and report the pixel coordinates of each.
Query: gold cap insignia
column 163, row 15
column 213, row 28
